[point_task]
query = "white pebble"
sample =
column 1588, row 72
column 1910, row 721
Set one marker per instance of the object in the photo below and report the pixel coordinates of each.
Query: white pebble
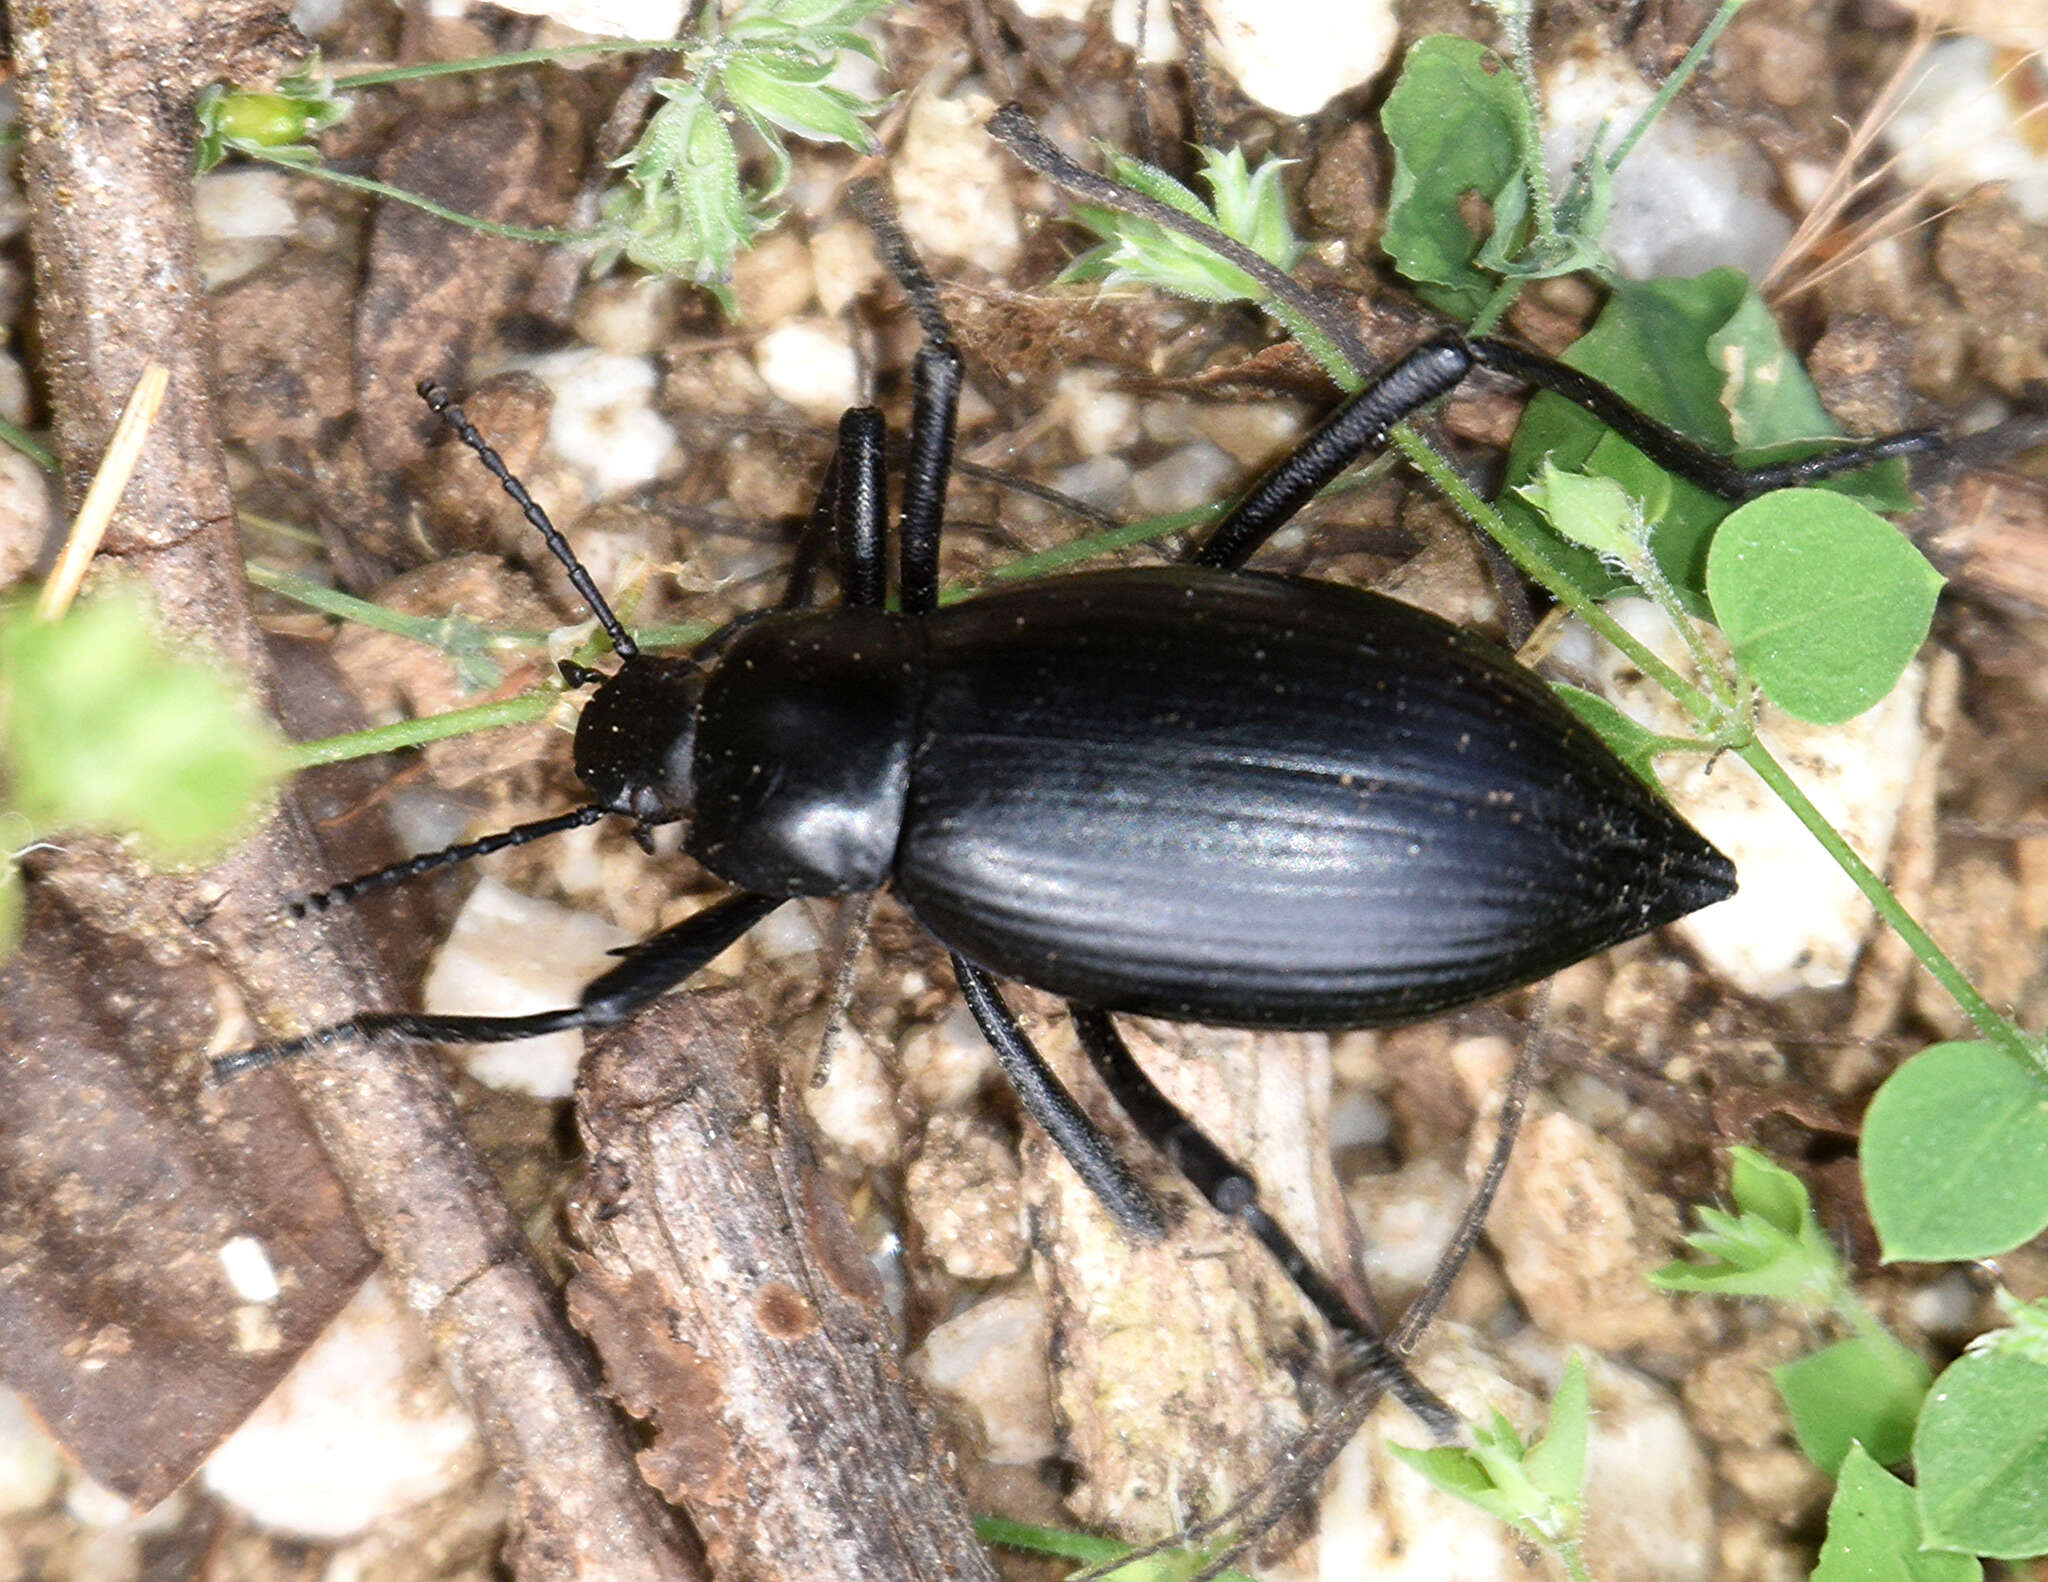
column 611, row 18
column 362, row 1428
column 604, row 423
column 1647, row 1483
column 93, row 1504
column 810, row 364
column 27, row 515
column 1690, row 196
column 1959, row 128
column 856, row 1108
column 1101, row 481
column 250, row 1273
column 510, row 955
column 1408, row 1216
column 1292, row 56
column 317, row 18
column 953, row 183
column 1100, row 418
column 16, row 398
column 991, row 1361
column 1295, row 56
column 31, row 1466
column 786, row 934
column 945, row 1063
column 240, row 205
column 1193, row 475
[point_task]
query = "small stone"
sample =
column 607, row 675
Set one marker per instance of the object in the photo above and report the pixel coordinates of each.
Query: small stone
column 1194, row 475
column 1778, row 1481
column 31, row 1466
column 990, row 1361
column 964, row 1190
column 244, row 205
column 511, row 954
column 953, row 183
column 1648, row 1511
column 947, row 1062
column 609, row 18
column 1961, row 125
column 629, row 315
column 363, row 1427
column 1692, row 195
column 1099, row 417
column 1252, row 433
column 250, row 1274
column 604, row 423
column 1101, row 481
column 1292, row 56
column 1575, row 1231
column 855, row 1110
column 810, row 364
column 1407, row 1215
column 28, row 515
column 843, row 265
column 771, row 281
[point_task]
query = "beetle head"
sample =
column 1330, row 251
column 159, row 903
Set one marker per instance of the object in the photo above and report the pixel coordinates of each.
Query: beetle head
column 636, row 735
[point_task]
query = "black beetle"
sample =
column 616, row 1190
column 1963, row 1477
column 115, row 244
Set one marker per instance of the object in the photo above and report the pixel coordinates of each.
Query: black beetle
column 1192, row 792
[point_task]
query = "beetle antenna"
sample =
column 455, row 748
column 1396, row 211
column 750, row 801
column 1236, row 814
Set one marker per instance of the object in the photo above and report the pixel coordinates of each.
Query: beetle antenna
column 447, row 857
column 579, row 578
column 877, row 211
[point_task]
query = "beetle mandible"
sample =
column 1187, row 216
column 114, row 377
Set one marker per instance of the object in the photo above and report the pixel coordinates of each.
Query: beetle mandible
column 1193, row 792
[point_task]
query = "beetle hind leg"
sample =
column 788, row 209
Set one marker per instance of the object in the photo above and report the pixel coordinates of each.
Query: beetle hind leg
column 1093, row 1156
column 1233, row 1193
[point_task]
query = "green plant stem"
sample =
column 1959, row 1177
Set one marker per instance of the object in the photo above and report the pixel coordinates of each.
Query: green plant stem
column 518, row 710
column 33, row 449
column 1675, row 83
column 1988, row 1022
column 1096, row 1553
column 1063, row 556
column 1496, row 306
column 1529, row 131
column 1315, row 343
column 1532, row 556
column 548, row 236
column 348, row 82
column 432, row 630
column 1574, row 1560
column 1648, row 575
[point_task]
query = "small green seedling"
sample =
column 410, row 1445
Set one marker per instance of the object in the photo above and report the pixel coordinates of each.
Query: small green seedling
column 1535, row 1488
column 105, row 728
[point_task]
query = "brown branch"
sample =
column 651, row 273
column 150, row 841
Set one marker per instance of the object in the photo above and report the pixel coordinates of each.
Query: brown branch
column 106, row 89
column 736, row 1312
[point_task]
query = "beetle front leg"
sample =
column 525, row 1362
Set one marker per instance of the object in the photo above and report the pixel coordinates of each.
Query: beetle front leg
column 1234, row 1194
column 1093, row 1156
column 650, row 969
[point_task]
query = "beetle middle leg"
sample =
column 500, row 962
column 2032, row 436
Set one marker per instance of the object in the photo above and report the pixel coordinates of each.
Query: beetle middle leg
column 1234, row 1194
